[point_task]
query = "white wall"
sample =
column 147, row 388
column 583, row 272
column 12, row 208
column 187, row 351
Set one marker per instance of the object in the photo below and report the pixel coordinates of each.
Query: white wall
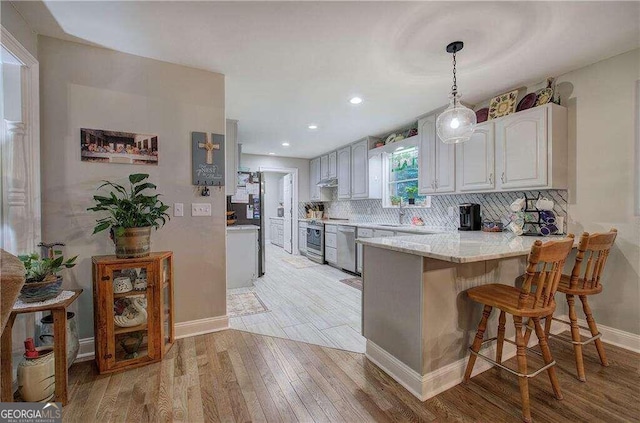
column 83, row 86
column 18, row 27
column 271, row 201
column 254, row 162
column 603, row 165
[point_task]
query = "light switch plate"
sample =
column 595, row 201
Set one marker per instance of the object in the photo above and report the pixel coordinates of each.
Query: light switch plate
column 178, row 209
column 201, row 209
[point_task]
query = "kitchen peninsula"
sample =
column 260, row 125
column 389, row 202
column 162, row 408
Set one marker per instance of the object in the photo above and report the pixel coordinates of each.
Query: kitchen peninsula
column 416, row 317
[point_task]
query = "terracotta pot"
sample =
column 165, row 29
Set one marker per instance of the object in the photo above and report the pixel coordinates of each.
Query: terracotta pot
column 36, row 377
column 133, row 243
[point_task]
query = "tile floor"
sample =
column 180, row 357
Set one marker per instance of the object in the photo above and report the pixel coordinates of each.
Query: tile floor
column 308, row 304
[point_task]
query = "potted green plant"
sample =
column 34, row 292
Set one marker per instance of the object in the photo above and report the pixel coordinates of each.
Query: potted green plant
column 411, row 194
column 42, row 281
column 395, row 200
column 131, row 215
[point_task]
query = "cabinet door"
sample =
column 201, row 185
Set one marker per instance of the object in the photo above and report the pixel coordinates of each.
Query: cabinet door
column 314, row 178
column 475, row 161
column 445, row 167
column 302, row 239
column 324, row 167
column 131, row 314
column 427, row 155
column 333, row 164
column 166, row 301
column 521, row 149
column 344, row 173
column 360, row 169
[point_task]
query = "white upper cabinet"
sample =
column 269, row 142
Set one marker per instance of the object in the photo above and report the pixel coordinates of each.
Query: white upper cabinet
column 333, row 165
column 324, row 167
column 360, row 169
column 437, row 160
column 445, row 167
column 522, row 149
column 475, row 161
column 314, row 178
column 532, row 150
column 427, row 155
column 344, row 173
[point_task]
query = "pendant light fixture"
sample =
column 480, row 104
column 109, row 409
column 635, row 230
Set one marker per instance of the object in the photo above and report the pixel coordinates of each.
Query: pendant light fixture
column 457, row 123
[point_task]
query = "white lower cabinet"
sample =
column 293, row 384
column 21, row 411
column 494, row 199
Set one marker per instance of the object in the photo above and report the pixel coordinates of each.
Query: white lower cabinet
column 331, row 255
column 361, row 233
column 302, row 237
column 276, row 232
column 242, row 258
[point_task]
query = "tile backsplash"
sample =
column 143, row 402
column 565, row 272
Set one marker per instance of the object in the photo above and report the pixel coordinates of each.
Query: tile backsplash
column 493, row 206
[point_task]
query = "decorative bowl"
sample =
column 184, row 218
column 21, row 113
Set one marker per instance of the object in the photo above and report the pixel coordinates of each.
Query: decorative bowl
column 33, row 292
column 122, row 284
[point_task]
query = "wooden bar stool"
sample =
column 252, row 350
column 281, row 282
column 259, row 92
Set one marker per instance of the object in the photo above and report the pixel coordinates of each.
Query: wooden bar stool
column 596, row 249
column 544, row 270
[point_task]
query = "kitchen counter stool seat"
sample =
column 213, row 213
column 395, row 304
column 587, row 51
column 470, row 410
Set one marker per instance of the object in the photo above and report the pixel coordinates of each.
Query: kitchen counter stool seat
column 544, row 269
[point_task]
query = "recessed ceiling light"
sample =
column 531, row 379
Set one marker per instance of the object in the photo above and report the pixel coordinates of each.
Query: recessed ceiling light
column 272, row 154
column 355, row 100
column 285, row 144
column 313, row 126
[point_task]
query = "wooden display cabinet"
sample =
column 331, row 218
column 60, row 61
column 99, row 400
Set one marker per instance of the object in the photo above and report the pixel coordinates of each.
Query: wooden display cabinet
column 120, row 344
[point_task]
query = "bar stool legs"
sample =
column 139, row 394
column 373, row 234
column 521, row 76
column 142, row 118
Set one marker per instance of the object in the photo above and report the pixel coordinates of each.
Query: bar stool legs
column 546, row 356
column 523, row 381
column 501, row 322
column 575, row 336
column 477, row 341
column 594, row 330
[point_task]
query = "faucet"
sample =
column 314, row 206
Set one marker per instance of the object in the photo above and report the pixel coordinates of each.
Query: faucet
column 401, row 212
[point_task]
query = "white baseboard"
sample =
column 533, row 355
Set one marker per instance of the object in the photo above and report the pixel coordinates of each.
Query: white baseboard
column 201, row 326
column 431, row 384
column 627, row 340
column 87, row 350
column 182, row 330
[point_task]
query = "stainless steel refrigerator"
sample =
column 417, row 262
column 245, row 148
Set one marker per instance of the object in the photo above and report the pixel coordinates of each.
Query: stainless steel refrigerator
column 256, row 204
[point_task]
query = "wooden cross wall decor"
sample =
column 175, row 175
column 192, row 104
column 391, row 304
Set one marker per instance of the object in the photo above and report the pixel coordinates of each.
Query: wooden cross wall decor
column 209, row 147
column 207, row 159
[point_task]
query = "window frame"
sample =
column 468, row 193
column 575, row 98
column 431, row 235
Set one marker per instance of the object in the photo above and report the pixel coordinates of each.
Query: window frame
column 386, row 175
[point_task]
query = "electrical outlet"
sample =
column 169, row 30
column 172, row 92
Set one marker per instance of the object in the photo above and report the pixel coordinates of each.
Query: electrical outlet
column 201, row 209
column 452, row 211
column 178, row 209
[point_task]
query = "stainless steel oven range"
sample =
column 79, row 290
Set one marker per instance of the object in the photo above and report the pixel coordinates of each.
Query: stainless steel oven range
column 315, row 241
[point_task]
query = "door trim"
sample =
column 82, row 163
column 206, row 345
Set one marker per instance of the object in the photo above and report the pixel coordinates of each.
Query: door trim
column 294, row 199
column 31, row 118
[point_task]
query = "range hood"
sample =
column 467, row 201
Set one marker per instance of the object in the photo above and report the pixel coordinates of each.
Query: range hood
column 328, row 183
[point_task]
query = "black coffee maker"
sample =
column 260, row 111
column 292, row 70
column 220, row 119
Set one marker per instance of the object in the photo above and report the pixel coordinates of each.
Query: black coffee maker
column 470, row 217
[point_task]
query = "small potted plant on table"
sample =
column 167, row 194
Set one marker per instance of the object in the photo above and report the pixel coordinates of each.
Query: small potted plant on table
column 132, row 214
column 411, row 194
column 395, row 200
column 41, row 280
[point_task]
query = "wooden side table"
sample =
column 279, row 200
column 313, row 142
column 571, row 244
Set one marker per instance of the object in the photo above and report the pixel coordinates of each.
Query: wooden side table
column 59, row 312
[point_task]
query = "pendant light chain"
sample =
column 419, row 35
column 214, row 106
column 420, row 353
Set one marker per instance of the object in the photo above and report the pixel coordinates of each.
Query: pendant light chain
column 454, row 88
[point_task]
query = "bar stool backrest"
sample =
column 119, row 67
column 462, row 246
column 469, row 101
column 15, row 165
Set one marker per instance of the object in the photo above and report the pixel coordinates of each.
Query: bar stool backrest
column 546, row 261
column 595, row 248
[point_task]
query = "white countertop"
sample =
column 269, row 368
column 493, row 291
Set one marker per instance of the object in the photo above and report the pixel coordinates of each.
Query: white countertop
column 381, row 226
column 460, row 247
column 237, row 228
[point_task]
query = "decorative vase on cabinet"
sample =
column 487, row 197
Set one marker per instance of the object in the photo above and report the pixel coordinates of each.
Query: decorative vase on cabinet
column 133, row 327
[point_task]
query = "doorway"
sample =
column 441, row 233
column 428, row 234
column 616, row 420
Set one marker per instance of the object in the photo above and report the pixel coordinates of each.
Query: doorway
column 278, row 209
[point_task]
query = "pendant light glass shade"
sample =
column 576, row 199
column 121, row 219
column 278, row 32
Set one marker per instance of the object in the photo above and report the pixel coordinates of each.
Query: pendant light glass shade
column 457, row 123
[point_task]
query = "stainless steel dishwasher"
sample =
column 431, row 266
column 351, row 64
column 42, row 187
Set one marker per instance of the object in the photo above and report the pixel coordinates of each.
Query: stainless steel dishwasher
column 347, row 248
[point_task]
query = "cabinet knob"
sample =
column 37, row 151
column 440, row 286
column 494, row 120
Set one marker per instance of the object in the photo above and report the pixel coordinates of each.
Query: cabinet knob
column 491, row 179
column 106, row 278
column 502, row 177
column 107, row 356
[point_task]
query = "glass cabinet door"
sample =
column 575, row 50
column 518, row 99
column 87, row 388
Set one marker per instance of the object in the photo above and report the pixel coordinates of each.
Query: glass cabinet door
column 130, row 328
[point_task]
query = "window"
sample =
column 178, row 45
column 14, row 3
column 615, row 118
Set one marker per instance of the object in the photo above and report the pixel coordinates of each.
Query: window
column 401, row 178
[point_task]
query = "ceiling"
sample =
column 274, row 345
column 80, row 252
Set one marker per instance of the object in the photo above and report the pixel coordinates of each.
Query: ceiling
column 291, row 64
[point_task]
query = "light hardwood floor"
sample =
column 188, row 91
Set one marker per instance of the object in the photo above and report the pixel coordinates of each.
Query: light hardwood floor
column 235, row 376
column 308, row 304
